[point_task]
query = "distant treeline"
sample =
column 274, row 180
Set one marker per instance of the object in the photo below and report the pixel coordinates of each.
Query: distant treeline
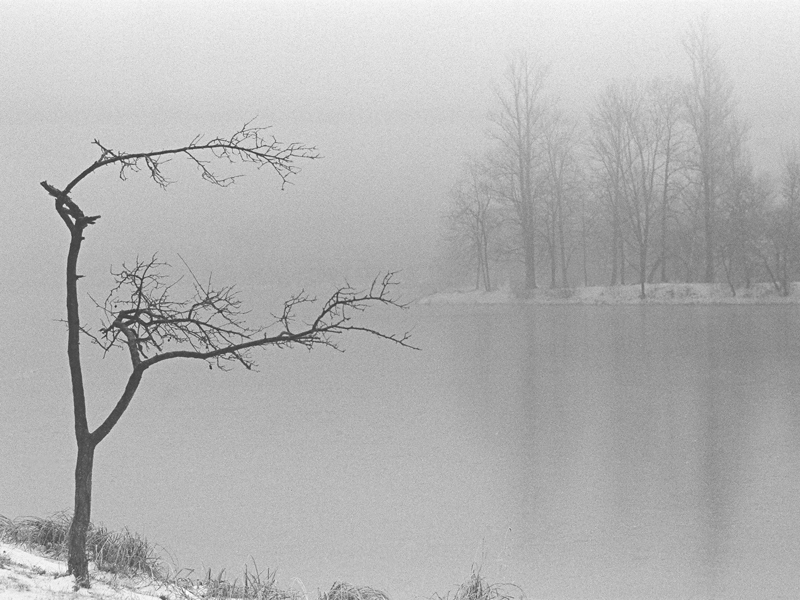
column 655, row 184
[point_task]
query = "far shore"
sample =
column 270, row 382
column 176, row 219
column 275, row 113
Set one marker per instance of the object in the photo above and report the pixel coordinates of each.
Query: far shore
column 656, row 293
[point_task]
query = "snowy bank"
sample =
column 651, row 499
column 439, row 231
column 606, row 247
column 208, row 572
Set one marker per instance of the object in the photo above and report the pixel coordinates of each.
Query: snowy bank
column 28, row 576
column 657, row 293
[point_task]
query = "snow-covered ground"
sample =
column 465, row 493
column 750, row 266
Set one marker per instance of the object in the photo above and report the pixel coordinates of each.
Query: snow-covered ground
column 657, row 293
column 25, row 575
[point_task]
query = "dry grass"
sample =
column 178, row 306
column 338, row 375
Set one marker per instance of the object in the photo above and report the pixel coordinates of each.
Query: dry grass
column 119, row 552
column 476, row 587
column 128, row 554
column 254, row 584
column 346, row 591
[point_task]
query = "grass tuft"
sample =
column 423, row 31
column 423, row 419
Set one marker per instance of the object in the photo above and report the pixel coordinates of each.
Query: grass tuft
column 119, row 552
column 255, row 585
column 346, row 591
column 129, row 554
column 476, row 587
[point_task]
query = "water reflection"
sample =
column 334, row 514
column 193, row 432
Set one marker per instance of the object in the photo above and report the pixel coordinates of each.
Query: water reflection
column 653, row 451
column 582, row 452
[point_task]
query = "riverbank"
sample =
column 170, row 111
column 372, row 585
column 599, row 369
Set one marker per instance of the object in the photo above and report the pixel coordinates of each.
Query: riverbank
column 27, row 575
column 125, row 566
column 657, row 293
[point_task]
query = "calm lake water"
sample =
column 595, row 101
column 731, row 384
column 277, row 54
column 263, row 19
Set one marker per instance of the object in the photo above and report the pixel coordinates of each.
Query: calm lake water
column 576, row 451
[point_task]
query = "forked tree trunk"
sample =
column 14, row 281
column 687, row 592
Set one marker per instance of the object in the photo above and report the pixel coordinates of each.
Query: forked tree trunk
column 77, row 562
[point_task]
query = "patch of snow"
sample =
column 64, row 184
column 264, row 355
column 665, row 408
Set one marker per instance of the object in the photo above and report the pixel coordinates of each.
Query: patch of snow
column 502, row 296
column 656, row 293
column 25, row 575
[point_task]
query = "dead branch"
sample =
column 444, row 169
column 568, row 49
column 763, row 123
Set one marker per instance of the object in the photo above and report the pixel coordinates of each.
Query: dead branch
column 142, row 315
column 250, row 145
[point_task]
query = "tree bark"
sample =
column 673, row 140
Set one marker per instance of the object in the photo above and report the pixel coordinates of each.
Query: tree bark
column 77, row 222
column 77, row 563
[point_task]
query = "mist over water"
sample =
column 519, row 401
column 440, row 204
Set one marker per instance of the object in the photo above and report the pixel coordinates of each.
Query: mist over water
column 577, row 451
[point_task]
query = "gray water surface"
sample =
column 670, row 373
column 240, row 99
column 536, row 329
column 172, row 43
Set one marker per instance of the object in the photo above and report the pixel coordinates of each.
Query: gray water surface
column 576, row 451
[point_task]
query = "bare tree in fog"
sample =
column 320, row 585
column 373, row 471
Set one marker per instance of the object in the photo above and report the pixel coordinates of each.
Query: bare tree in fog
column 518, row 127
column 608, row 143
column 709, row 104
column 743, row 215
column 633, row 140
column 146, row 315
column 562, row 181
column 473, row 218
column 783, row 253
column 661, row 183
column 667, row 106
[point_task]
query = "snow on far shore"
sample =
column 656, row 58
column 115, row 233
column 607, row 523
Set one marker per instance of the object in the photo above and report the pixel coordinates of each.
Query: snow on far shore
column 657, row 293
column 25, row 575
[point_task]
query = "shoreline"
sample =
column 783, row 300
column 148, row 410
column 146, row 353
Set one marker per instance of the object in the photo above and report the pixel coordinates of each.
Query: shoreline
column 657, row 294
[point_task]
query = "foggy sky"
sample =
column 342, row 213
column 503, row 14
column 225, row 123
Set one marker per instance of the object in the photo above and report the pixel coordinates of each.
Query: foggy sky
column 394, row 95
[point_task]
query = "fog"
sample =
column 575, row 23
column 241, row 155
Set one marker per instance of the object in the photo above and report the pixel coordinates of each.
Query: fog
column 393, row 95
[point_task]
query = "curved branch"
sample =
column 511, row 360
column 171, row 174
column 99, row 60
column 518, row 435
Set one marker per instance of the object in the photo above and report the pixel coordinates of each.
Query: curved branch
column 247, row 145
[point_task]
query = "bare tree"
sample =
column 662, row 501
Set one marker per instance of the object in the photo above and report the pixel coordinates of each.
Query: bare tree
column 608, row 146
column 142, row 316
column 709, row 104
column 783, row 229
column 472, row 219
column 742, row 237
column 789, row 246
column 517, row 130
column 562, row 177
column 634, row 136
column 667, row 107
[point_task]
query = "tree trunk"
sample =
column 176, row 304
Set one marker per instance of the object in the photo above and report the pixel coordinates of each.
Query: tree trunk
column 614, row 255
column 551, row 248
column 583, row 244
column 642, row 271
column 77, row 562
column 486, row 275
column 562, row 247
column 530, row 262
column 708, row 222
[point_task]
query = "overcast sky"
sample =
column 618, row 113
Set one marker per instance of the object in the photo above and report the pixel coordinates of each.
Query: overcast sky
column 394, row 95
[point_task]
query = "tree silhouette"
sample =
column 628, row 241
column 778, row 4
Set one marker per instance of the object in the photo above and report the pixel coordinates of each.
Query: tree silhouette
column 143, row 316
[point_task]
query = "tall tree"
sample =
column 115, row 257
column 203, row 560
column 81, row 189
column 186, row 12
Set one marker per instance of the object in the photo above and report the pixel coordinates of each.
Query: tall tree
column 517, row 129
column 142, row 316
column 633, row 128
column 561, row 187
column 743, row 227
column 667, row 107
column 608, row 145
column 472, row 219
column 709, row 104
column 784, row 226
